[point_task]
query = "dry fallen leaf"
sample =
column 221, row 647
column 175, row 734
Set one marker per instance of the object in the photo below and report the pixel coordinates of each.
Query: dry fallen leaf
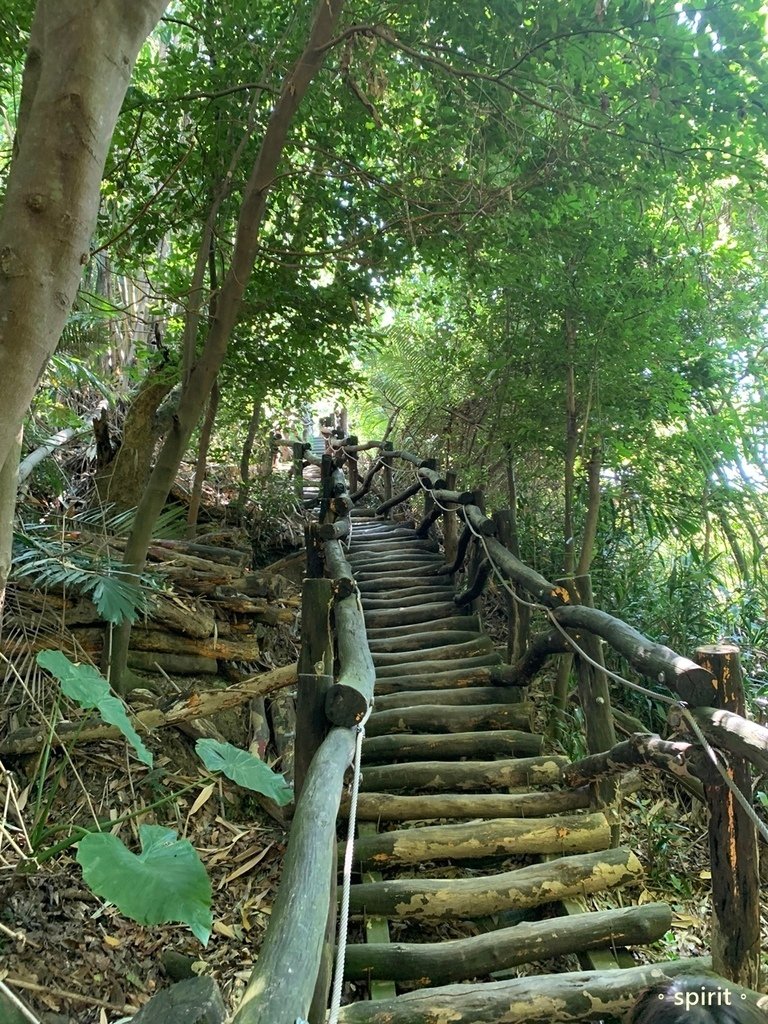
column 245, row 868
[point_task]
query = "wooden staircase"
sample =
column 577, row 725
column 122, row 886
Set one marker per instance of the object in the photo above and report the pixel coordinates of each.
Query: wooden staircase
column 462, row 821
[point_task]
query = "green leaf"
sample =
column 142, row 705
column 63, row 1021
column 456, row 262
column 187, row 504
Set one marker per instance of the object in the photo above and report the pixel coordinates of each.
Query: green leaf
column 116, row 600
column 88, row 688
column 165, row 882
column 244, row 769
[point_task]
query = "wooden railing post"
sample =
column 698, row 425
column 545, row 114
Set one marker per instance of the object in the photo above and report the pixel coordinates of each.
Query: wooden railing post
column 732, row 840
column 503, row 522
column 387, row 472
column 354, row 473
column 429, row 501
column 450, row 522
column 298, row 468
column 315, row 671
column 327, row 467
column 313, row 546
column 477, row 552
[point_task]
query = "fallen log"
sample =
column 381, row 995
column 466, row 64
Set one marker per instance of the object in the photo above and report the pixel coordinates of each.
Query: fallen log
column 255, row 608
column 453, row 745
column 496, row 837
column 172, row 664
column 441, row 899
column 390, row 807
column 436, row 963
column 239, row 557
column 440, row 718
column 456, row 776
column 196, row 705
column 245, row 648
column 547, row 999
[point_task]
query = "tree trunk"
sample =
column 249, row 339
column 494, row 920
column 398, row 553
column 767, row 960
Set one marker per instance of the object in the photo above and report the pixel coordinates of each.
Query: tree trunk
column 245, row 458
column 201, row 375
column 202, row 460
column 560, row 688
column 8, row 486
column 78, row 67
column 126, row 476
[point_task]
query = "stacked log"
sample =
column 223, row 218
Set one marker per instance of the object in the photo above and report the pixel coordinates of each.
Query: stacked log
column 211, row 617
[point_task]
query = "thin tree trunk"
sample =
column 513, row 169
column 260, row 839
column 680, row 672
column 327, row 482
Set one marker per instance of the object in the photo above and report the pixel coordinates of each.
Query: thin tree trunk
column 522, row 622
column 202, row 460
column 203, row 372
column 8, row 487
column 78, row 67
column 245, row 458
column 565, row 662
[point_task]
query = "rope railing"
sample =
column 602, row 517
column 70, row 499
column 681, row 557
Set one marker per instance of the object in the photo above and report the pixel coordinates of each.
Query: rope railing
column 705, row 699
column 292, row 979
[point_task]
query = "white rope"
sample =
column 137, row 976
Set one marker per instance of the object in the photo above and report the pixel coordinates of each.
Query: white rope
column 346, row 885
column 662, row 698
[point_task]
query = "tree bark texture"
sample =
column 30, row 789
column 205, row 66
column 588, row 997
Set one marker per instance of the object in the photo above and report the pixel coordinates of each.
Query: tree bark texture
column 433, row 899
column 282, row 984
column 550, row 999
column 79, row 63
column 203, row 372
column 733, row 852
column 439, row 963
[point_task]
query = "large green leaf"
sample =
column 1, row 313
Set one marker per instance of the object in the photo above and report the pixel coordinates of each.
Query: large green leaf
column 165, row 882
column 88, row 688
column 244, row 769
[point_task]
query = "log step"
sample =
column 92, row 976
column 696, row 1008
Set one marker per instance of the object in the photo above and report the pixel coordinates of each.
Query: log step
column 420, row 678
column 450, row 776
column 481, row 644
column 416, row 669
column 373, row 583
column 452, row 697
column 390, row 553
column 446, row 622
column 421, row 642
column 575, row 996
column 440, row 899
column 436, row 963
column 436, row 718
column 418, row 614
column 404, row 565
column 510, row 742
column 413, row 597
column 392, row 807
column 495, row 837
column 401, row 574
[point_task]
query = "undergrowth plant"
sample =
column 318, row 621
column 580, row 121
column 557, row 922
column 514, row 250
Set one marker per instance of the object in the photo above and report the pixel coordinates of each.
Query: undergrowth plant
column 165, row 881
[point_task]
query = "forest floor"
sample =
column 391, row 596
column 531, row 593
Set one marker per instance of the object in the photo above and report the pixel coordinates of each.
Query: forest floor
column 76, row 960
